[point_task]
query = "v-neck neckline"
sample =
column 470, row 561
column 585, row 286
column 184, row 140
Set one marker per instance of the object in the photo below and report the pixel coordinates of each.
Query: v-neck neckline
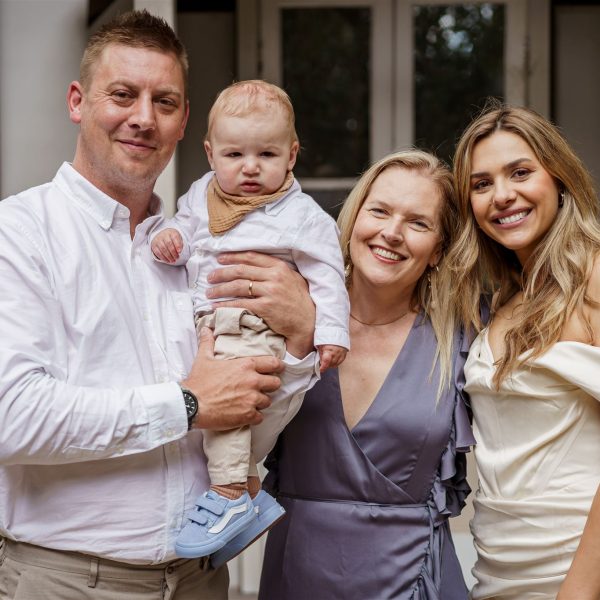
column 340, row 403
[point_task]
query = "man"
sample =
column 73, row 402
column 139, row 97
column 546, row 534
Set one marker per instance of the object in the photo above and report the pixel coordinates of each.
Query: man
column 97, row 467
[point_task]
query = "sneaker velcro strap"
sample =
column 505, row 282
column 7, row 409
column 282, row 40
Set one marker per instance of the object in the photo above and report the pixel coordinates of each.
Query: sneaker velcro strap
column 197, row 516
column 210, row 505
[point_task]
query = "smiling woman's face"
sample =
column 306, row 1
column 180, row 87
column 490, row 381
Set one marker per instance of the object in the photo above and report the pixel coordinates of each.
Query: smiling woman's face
column 514, row 199
column 396, row 236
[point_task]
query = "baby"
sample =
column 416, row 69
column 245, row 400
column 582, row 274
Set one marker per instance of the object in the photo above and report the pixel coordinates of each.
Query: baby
column 251, row 201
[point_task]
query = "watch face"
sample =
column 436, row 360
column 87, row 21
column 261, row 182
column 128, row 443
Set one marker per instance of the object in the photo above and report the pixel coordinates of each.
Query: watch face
column 191, row 404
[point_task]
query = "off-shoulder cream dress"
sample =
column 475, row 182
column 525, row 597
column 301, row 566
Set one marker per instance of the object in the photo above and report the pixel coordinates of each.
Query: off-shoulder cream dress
column 538, row 460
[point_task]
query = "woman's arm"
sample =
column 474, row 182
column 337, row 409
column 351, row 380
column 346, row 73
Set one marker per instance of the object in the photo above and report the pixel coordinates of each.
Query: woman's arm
column 583, row 579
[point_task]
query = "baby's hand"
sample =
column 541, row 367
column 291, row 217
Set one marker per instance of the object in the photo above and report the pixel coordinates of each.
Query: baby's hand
column 167, row 245
column 331, row 356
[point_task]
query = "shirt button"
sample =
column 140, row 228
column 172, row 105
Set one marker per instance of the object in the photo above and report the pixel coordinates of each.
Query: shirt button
column 170, row 570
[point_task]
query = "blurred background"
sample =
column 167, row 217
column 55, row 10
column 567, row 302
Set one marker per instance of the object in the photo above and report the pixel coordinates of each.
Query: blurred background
column 366, row 77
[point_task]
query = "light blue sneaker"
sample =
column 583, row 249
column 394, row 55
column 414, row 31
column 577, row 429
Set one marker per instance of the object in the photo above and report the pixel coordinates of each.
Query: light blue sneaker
column 215, row 521
column 268, row 513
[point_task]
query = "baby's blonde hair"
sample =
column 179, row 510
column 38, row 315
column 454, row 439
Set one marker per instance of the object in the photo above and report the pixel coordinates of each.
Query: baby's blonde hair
column 245, row 97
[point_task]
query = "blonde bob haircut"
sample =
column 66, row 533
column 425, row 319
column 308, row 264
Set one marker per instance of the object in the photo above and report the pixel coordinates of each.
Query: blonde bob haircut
column 136, row 29
column 432, row 292
column 556, row 276
column 243, row 98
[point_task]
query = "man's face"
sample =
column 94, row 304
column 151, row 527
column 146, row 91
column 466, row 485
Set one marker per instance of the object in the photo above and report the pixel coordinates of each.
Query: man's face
column 131, row 117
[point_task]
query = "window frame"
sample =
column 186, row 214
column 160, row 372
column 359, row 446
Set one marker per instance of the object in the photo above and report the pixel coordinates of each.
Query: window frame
column 526, row 62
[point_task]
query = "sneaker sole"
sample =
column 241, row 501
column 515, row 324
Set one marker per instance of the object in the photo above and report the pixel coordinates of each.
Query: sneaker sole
column 207, row 548
column 238, row 547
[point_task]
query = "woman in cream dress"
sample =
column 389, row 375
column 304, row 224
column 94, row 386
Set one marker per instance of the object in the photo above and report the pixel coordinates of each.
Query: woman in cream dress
column 531, row 237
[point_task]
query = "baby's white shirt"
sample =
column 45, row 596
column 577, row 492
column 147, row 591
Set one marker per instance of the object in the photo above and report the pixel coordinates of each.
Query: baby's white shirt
column 294, row 228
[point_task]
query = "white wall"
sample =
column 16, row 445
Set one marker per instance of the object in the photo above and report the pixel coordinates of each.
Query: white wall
column 41, row 42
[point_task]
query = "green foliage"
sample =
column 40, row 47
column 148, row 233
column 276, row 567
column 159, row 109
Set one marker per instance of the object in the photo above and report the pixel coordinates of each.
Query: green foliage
column 459, row 56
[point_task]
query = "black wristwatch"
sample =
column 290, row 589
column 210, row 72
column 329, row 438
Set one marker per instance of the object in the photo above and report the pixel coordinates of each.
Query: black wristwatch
column 191, row 405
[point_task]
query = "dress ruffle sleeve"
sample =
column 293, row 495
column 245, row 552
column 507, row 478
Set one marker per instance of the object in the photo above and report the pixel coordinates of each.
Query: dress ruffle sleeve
column 450, row 488
column 271, row 481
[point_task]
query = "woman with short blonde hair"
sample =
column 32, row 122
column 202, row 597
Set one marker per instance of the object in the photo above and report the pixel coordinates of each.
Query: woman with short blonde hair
column 373, row 465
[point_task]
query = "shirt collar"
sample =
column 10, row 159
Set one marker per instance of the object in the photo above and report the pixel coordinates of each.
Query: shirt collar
column 100, row 206
column 275, row 207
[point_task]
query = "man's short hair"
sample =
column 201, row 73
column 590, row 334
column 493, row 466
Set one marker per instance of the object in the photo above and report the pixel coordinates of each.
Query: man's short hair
column 246, row 97
column 137, row 29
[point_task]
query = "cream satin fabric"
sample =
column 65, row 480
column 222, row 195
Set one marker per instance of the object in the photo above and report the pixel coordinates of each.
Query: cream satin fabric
column 538, row 459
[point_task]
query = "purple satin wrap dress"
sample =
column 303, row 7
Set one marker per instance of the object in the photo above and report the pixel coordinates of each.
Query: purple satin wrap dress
column 367, row 509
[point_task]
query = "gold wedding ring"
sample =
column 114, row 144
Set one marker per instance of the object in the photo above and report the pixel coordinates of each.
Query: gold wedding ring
column 250, row 283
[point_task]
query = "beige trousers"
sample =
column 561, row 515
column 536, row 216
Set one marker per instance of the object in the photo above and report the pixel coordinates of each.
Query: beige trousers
column 238, row 333
column 33, row 573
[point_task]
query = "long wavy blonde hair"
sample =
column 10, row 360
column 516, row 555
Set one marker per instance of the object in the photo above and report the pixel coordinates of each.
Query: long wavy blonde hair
column 432, row 292
column 559, row 269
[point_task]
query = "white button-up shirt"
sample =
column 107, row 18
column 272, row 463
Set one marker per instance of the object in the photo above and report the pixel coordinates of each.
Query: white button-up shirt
column 94, row 451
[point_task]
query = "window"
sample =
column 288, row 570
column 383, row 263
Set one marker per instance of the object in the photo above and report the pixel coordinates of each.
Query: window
column 371, row 76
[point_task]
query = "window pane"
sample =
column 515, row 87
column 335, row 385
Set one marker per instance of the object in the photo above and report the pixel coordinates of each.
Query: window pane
column 458, row 63
column 326, row 73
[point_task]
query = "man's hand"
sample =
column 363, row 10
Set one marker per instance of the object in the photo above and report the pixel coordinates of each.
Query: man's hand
column 167, row 245
column 230, row 392
column 278, row 294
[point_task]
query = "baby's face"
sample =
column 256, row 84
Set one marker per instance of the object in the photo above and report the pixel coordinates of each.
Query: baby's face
column 251, row 155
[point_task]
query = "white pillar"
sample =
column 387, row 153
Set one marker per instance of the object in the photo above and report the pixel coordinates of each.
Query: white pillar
column 41, row 42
